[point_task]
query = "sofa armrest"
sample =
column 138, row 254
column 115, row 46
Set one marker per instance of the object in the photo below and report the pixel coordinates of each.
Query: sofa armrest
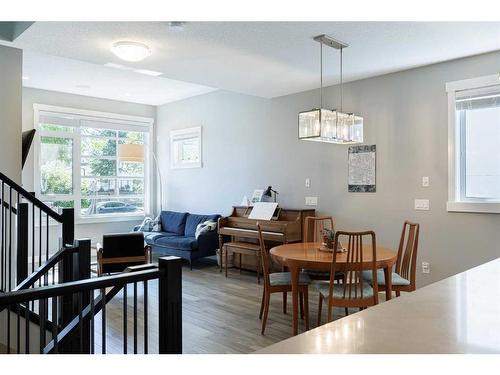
column 208, row 241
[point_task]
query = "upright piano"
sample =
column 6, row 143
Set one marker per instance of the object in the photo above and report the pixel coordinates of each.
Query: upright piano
column 238, row 234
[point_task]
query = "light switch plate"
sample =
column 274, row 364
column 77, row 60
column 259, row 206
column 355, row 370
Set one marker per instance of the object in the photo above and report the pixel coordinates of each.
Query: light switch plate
column 308, row 182
column 425, row 181
column 422, row 204
column 311, row 201
column 426, row 267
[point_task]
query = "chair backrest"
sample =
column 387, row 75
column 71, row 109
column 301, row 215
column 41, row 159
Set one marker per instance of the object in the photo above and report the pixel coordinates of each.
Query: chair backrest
column 264, row 258
column 314, row 227
column 353, row 278
column 119, row 245
column 406, row 264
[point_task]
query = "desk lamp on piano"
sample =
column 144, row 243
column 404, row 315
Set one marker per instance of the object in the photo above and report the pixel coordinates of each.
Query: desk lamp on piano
column 238, row 233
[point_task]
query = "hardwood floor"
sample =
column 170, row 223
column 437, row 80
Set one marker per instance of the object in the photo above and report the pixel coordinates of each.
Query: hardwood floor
column 219, row 315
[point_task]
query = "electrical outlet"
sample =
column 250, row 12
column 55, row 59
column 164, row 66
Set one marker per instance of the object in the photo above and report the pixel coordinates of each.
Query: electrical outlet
column 425, row 181
column 422, row 204
column 308, row 182
column 426, row 267
column 311, row 201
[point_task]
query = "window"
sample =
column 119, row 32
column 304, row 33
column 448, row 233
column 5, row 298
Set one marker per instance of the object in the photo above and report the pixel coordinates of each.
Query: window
column 185, row 148
column 474, row 144
column 81, row 164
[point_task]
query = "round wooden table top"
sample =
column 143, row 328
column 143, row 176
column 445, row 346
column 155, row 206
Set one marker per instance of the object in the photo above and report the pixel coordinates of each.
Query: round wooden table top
column 308, row 255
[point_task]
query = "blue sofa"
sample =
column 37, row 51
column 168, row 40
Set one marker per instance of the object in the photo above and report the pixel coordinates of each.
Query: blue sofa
column 178, row 236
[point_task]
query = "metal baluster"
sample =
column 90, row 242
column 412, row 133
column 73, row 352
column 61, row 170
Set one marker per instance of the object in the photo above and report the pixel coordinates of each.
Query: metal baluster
column 40, row 242
column 10, row 239
column 125, row 319
column 103, row 320
column 2, row 264
column 46, row 276
column 32, row 238
column 80, row 319
column 27, row 327
column 92, row 316
column 8, row 328
column 54, row 324
column 145, row 317
column 42, row 312
column 135, row 318
column 18, row 343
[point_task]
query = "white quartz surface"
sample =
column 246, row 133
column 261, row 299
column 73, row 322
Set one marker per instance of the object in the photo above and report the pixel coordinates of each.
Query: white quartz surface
column 460, row 314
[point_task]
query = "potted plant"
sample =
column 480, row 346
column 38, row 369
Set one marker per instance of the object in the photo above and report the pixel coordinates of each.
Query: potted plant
column 328, row 238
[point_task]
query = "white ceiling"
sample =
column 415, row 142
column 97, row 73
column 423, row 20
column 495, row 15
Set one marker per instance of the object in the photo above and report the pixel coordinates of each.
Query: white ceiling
column 265, row 59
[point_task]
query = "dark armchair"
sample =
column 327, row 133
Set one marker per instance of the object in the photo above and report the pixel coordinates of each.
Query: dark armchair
column 121, row 250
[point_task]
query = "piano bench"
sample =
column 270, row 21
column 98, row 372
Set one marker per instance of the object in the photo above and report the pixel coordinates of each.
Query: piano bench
column 241, row 248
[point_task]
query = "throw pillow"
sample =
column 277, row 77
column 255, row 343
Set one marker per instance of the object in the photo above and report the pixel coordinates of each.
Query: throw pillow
column 205, row 227
column 146, row 225
column 156, row 225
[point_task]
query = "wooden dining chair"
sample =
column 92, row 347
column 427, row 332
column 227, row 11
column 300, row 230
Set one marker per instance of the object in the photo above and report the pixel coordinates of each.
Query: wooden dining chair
column 314, row 226
column 354, row 291
column 280, row 282
column 313, row 232
column 404, row 277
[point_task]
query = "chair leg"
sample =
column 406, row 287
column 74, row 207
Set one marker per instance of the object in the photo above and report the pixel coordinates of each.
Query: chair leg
column 398, row 293
column 262, row 302
column 225, row 257
column 306, row 306
column 320, row 306
column 258, row 270
column 330, row 308
column 346, row 311
column 190, row 265
column 285, row 294
column 267, row 297
column 240, row 264
column 301, row 300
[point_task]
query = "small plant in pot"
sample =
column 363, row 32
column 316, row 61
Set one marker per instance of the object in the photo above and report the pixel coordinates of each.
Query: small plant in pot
column 328, row 238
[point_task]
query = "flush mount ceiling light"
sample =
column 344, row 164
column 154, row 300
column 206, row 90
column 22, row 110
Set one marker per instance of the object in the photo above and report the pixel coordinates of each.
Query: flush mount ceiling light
column 131, row 51
column 326, row 125
column 176, row 26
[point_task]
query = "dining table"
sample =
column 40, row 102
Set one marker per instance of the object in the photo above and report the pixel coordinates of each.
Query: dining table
column 307, row 255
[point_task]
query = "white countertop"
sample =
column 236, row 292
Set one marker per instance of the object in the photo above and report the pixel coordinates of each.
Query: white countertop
column 460, row 314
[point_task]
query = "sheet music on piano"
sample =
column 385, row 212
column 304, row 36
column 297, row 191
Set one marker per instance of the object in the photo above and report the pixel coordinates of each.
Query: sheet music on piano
column 263, row 211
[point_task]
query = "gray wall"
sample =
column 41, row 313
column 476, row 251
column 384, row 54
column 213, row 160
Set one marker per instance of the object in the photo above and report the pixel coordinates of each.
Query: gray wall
column 10, row 111
column 31, row 96
column 250, row 143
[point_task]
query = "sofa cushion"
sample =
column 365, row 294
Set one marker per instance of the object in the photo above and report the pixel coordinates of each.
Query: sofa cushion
column 178, row 242
column 193, row 220
column 173, row 222
column 151, row 237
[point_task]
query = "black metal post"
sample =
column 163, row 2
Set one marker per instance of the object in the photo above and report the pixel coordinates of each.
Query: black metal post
column 22, row 242
column 68, row 226
column 84, row 273
column 67, row 307
column 170, row 305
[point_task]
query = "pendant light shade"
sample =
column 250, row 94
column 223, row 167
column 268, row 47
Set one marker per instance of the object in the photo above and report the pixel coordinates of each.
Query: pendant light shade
column 325, row 125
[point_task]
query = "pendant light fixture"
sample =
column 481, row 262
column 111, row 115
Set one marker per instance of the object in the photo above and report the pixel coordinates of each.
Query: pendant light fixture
column 325, row 125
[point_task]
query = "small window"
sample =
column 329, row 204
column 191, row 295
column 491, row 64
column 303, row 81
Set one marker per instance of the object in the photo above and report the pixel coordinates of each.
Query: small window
column 474, row 127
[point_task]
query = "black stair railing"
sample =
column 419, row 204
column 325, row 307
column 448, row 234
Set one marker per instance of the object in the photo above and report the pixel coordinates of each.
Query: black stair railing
column 27, row 238
column 49, row 294
column 73, row 315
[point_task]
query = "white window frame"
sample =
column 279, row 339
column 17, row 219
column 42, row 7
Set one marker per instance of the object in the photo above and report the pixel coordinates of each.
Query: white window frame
column 456, row 203
column 180, row 135
column 131, row 123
